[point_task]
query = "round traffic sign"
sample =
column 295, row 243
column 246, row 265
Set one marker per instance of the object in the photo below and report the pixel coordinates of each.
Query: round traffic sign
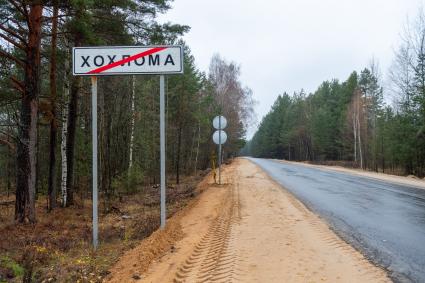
column 219, row 134
column 219, row 122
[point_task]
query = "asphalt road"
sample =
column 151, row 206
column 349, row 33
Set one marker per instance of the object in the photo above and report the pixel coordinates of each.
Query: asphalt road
column 385, row 221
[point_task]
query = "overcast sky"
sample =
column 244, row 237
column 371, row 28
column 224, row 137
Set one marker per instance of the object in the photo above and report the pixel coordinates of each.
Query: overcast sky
column 287, row 45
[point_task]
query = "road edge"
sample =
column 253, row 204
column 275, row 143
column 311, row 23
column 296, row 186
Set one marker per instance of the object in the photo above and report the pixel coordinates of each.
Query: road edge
column 387, row 178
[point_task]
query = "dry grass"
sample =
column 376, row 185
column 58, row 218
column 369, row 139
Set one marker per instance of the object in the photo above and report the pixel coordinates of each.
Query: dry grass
column 58, row 247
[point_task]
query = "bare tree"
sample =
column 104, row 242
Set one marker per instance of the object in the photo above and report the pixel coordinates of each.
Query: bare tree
column 355, row 115
column 233, row 100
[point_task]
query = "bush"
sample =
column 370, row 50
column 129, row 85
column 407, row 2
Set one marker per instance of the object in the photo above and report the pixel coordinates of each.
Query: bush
column 128, row 181
column 9, row 269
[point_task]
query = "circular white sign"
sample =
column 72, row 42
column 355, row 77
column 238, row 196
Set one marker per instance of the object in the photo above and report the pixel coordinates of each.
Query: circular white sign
column 219, row 122
column 219, row 134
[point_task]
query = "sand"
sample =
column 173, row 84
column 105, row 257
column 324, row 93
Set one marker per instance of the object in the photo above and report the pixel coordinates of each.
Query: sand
column 248, row 230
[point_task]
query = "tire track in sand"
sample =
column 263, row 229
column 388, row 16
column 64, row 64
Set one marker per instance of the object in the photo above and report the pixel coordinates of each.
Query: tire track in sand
column 214, row 258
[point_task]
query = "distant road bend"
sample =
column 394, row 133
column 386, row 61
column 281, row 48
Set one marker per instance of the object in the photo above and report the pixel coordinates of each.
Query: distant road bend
column 385, row 221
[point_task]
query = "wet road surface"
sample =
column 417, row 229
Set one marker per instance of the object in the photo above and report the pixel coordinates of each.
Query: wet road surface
column 385, row 221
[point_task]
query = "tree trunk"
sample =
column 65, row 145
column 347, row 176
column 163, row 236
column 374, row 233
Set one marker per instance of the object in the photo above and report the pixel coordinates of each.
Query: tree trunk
column 360, row 143
column 355, row 137
column 130, row 162
column 72, row 125
column 37, row 168
column 9, row 168
column 188, row 163
column 105, row 155
column 197, row 146
column 179, row 141
column 289, row 151
column 382, row 153
column 53, row 121
column 64, row 134
column 27, row 132
column 70, row 143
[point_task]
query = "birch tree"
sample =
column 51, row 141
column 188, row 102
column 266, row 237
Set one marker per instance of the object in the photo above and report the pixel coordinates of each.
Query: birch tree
column 133, row 117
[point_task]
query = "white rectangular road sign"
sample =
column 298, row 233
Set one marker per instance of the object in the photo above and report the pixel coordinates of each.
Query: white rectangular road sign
column 130, row 60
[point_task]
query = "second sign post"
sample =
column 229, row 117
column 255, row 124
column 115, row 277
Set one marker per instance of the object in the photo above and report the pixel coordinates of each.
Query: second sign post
column 219, row 138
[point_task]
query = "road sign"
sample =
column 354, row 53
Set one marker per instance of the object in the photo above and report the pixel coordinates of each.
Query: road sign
column 219, row 122
column 219, row 135
column 219, row 138
column 127, row 60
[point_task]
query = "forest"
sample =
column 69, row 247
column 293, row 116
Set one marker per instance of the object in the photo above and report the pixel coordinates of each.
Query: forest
column 362, row 122
column 45, row 122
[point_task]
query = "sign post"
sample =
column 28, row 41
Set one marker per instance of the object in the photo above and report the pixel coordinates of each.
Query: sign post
column 94, row 157
column 219, row 151
column 219, row 137
column 126, row 60
column 162, row 146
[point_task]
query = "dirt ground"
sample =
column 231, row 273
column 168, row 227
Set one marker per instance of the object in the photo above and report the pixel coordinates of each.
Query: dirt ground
column 58, row 247
column 247, row 230
column 401, row 180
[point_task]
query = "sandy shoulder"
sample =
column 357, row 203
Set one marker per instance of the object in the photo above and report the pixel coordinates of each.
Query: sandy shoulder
column 251, row 230
column 401, row 180
column 151, row 257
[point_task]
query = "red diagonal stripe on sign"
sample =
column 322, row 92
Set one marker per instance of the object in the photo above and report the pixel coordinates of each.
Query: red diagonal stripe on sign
column 126, row 60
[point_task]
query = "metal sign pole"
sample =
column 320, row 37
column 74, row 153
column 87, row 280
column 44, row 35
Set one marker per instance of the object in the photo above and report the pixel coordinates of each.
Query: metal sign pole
column 162, row 145
column 219, row 138
column 219, row 151
column 94, row 158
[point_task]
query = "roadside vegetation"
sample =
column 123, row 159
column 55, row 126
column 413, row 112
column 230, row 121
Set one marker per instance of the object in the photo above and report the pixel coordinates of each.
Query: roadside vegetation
column 357, row 122
column 58, row 247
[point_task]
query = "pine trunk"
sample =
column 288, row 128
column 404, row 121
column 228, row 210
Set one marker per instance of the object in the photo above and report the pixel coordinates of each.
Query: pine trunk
column 53, row 121
column 179, row 140
column 197, row 146
column 27, row 132
column 9, row 168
